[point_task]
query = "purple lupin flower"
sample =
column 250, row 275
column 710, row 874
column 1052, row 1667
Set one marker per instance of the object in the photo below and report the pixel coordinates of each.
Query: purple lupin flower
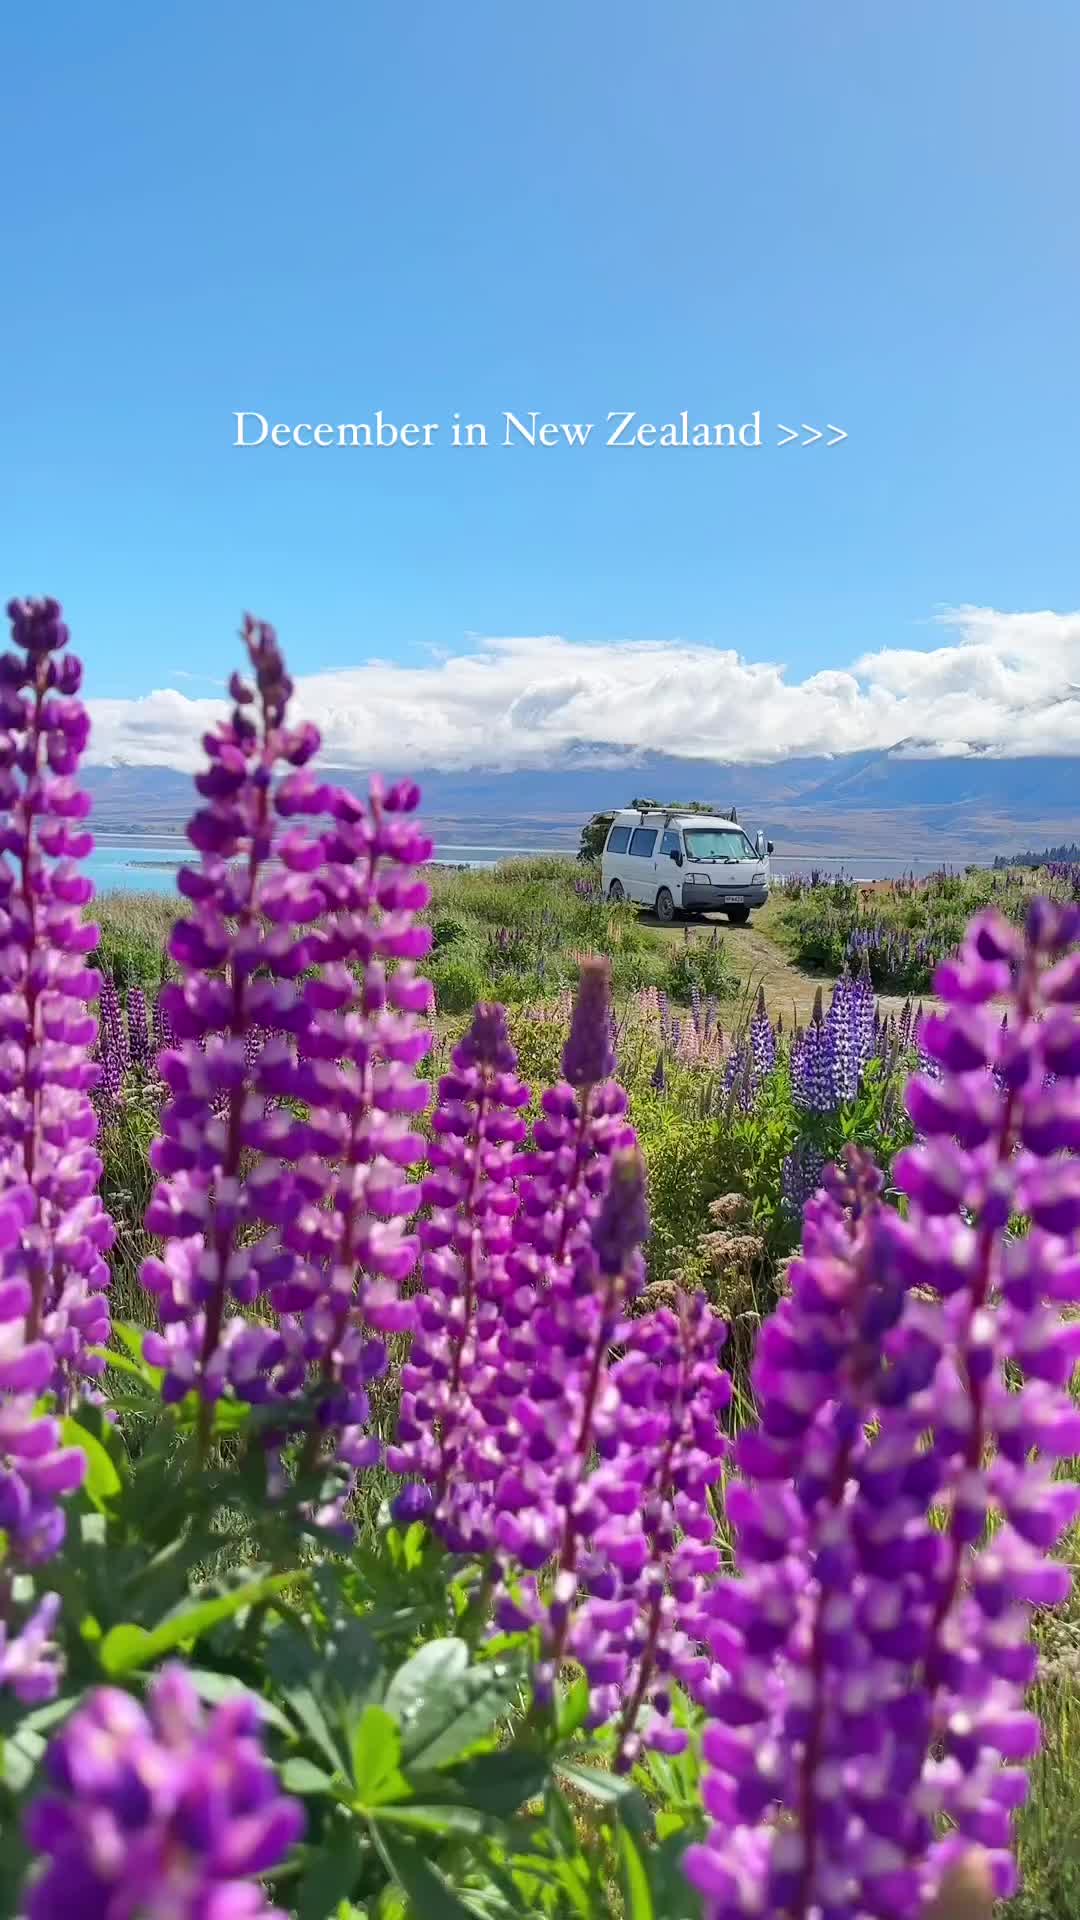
column 478, row 1128
column 812, row 1064
column 593, row 1519
column 864, row 1014
column 1002, row 1139
column 36, row 1472
column 872, row 1663
column 762, row 1039
column 139, row 1043
column 844, row 1042
column 582, row 1124
column 671, row 1393
column 163, row 1036
column 589, row 1056
column 47, row 1121
column 30, row 1662
column 113, row 1033
column 810, row 1698
column 530, row 1405
column 159, row 1810
column 364, row 1036
column 738, row 1083
column 240, row 957
column 111, row 1066
column 800, row 1176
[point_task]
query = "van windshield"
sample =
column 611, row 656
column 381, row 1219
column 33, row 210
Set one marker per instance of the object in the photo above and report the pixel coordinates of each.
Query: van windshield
column 718, row 843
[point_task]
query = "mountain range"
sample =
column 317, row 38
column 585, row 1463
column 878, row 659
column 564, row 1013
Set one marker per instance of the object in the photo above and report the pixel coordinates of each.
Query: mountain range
column 888, row 801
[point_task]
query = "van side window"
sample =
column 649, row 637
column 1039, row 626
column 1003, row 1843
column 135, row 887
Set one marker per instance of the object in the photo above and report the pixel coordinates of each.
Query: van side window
column 642, row 841
column 670, row 843
column 618, row 840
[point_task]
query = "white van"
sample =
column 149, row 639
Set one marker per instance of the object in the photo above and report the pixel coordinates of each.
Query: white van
column 685, row 863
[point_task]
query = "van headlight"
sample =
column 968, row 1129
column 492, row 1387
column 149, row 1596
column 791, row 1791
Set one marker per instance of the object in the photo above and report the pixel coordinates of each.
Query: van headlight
column 699, row 879
column 759, row 879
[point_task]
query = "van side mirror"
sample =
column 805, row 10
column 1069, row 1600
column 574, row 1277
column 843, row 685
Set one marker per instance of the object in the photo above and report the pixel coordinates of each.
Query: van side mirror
column 676, row 856
column 768, row 846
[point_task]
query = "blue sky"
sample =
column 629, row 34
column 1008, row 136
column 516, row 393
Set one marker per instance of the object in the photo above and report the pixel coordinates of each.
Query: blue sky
column 862, row 215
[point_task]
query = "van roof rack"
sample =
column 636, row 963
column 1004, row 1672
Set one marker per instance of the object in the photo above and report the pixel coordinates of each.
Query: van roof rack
column 673, row 812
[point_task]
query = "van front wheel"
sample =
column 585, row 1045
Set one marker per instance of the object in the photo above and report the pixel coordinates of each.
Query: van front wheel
column 615, row 893
column 665, row 907
column 738, row 916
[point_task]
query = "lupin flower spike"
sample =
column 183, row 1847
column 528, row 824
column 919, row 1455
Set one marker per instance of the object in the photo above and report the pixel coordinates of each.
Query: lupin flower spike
column 365, row 1035
column 902, row 1647
column 672, row 1392
column 239, row 956
column 478, row 1128
column 54, row 1232
column 549, row 1502
column 47, row 1121
column 165, row 1809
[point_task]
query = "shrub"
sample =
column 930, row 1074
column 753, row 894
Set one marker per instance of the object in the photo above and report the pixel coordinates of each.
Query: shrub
column 458, row 978
column 701, row 966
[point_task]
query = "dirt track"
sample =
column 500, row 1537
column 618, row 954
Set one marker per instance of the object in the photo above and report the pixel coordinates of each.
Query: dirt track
column 759, row 961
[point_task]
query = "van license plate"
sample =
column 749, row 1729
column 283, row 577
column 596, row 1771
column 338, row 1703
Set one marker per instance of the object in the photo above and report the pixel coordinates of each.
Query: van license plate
column 733, row 899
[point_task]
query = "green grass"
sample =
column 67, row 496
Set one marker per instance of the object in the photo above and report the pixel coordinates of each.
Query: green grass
column 517, row 933
column 906, row 925
column 1048, row 1828
column 134, row 929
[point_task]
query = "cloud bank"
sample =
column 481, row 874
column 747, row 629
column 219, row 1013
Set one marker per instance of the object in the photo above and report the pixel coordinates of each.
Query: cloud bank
column 1003, row 684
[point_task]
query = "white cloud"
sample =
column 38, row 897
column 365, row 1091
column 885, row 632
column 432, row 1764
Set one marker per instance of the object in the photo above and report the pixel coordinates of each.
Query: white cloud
column 1007, row 684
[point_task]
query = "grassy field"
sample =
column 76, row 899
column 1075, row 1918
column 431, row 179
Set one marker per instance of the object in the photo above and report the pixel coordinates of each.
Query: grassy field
column 718, row 1141
column 903, row 926
column 517, row 933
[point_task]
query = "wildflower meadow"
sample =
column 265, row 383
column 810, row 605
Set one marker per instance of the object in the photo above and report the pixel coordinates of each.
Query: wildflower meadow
column 593, row 1453
column 904, row 928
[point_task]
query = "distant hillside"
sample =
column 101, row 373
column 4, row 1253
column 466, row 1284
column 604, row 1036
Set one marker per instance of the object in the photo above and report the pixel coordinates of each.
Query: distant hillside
column 884, row 802
column 139, row 799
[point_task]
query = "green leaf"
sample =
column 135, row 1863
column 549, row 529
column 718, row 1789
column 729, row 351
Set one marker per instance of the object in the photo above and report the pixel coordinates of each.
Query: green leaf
column 573, row 1708
column 295, row 1667
column 500, row 1783
column 430, row 1896
column 432, row 1669
column 437, row 1817
column 127, row 1647
column 124, row 1649
column 673, row 1896
column 376, row 1759
column 607, row 1789
column 351, row 1666
column 635, row 1880
column 446, row 1707
column 19, row 1757
column 332, row 1874
column 120, row 1363
column 102, row 1482
column 560, row 1820
column 302, row 1776
column 129, row 1336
